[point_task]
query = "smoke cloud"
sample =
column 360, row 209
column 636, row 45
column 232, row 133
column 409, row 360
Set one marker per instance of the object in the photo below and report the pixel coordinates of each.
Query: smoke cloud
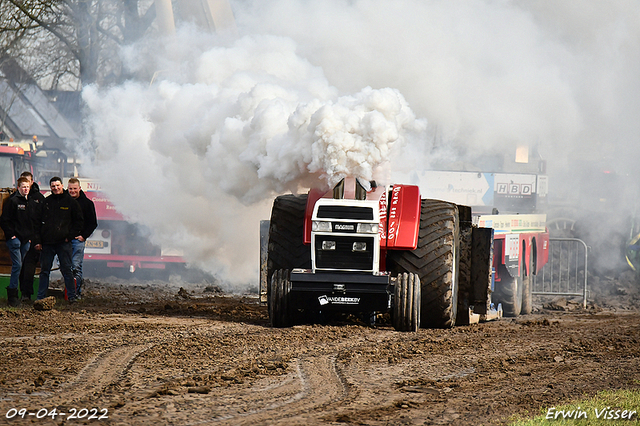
column 307, row 92
column 233, row 127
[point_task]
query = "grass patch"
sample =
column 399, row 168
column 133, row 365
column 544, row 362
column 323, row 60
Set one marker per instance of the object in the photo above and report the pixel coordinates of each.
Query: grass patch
column 605, row 408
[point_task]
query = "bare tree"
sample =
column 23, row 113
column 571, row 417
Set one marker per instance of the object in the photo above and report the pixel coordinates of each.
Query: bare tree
column 71, row 43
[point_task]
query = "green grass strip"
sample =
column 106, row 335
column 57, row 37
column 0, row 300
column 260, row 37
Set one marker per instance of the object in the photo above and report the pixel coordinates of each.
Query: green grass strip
column 605, row 408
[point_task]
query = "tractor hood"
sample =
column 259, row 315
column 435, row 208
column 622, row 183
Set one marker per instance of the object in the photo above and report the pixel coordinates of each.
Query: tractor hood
column 396, row 209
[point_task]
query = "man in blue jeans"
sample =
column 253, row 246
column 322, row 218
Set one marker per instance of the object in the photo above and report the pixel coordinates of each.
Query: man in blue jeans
column 61, row 222
column 17, row 222
column 31, row 259
column 90, row 224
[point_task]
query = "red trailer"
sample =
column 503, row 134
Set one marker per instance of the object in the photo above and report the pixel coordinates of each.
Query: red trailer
column 122, row 247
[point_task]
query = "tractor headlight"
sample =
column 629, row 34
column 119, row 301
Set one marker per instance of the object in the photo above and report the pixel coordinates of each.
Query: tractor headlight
column 328, row 245
column 359, row 246
column 317, row 226
column 367, row 228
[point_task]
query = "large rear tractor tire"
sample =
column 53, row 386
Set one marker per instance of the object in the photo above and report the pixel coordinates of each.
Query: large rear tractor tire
column 406, row 307
column 465, row 291
column 279, row 307
column 435, row 260
column 286, row 249
column 286, row 235
column 508, row 292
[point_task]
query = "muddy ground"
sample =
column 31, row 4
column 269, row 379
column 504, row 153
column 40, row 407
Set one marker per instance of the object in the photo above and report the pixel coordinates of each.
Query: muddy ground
column 162, row 353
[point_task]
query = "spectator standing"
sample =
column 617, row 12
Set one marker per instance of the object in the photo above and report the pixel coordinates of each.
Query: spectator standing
column 30, row 261
column 61, row 222
column 18, row 226
column 90, row 224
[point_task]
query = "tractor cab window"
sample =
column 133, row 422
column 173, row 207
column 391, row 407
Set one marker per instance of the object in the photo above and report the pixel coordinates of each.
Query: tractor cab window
column 7, row 179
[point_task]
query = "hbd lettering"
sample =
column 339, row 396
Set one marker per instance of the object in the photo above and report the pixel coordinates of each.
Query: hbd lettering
column 603, row 414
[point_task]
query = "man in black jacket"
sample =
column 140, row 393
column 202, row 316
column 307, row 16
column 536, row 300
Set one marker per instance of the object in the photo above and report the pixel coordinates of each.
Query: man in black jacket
column 18, row 226
column 30, row 261
column 61, row 222
column 90, row 224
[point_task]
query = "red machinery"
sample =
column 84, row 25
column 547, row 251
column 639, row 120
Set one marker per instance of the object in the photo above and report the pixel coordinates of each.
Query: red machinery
column 121, row 246
column 365, row 249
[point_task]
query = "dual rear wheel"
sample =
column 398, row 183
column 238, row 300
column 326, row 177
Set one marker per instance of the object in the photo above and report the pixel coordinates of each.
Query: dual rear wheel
column 508, row 292
column 515, row 292
column 407, row 302
column 280, row 312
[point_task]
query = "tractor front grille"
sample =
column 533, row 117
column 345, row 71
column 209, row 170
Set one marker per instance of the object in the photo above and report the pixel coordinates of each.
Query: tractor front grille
column 329, row 211
column 344, row 257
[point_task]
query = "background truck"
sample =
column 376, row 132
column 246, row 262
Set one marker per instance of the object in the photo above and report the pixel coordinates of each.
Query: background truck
column 15, row 158
column 367, row 249
column 121, row 248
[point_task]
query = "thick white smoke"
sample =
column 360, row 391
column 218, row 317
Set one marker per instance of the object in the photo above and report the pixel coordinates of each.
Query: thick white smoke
column 311, row 91
column 238, row 125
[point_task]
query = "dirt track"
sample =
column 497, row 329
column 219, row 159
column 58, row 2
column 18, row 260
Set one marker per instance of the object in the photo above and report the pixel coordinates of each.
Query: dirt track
column 150, row 354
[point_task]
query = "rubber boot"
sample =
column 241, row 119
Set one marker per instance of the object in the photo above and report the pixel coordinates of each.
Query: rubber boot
column 78, row 287
column 12, row 297
column 75, row 286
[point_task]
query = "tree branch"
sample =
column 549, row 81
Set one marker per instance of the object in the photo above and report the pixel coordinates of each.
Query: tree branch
column 50, row 28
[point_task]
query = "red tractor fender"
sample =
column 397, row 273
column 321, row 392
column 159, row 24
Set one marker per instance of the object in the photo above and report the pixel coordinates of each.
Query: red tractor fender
column 403, row 218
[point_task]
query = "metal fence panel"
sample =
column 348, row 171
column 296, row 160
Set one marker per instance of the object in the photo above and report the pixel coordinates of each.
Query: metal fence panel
column 565, row 274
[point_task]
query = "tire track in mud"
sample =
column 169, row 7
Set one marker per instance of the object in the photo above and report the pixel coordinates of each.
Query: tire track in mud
column 315, row 384
column 100, row 372
column 320, row 385
column 108, row 367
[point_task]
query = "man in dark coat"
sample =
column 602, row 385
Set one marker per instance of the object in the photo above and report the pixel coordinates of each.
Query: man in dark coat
column 30, row 261
column 90, row 224
column 62, row 221
column 17, row 223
